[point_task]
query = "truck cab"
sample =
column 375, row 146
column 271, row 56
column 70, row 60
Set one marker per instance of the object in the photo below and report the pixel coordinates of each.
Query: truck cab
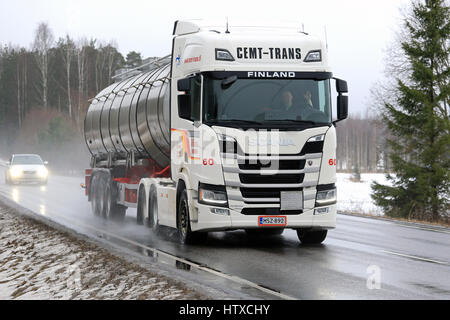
column 253, row 145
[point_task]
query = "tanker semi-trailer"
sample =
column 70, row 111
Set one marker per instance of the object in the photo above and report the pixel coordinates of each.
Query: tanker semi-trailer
column 233, row 130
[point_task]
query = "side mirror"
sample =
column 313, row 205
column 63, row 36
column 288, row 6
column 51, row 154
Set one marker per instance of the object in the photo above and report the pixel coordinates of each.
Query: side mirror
column 8, row 163
column 341, row 86
column 184, row 106
column 342, row 107
column 46, row 162
column 342, row 101
column 184, row 84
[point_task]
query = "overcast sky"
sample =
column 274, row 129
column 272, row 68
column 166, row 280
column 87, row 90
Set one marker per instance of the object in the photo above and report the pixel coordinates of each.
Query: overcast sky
column 358, row 31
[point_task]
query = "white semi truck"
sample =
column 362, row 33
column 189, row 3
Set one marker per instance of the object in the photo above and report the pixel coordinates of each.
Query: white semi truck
column 233, row 130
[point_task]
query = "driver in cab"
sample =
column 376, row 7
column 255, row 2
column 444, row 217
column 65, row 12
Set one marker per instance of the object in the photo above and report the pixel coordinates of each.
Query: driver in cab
column 294, row 111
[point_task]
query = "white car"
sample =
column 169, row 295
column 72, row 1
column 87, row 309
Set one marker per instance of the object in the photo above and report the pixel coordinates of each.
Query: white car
column 26, row 168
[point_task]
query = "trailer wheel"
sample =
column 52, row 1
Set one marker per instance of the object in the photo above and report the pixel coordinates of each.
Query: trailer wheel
column 112, row 210
column 153, row 212
column 186, row 235
column 95, row 203
column 311, row 236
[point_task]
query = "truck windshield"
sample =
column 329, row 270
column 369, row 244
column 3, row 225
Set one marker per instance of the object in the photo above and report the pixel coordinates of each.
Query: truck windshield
column 273, row 102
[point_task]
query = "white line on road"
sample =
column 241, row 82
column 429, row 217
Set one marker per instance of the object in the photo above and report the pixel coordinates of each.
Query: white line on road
column 415, row 257
column 427, row 229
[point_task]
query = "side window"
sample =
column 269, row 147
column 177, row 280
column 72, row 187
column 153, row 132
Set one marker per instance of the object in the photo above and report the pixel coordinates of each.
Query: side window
column 196, row 87
column 322, row 96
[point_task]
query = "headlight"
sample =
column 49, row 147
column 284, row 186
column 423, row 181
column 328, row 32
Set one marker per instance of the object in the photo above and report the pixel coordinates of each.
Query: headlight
column 318, row 138
column 212, row 195
column 326, row 197
column 42, row 172
column 15, row 172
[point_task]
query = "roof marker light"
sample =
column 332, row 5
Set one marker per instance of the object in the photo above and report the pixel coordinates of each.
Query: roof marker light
column 314, row 56
column 224, row 55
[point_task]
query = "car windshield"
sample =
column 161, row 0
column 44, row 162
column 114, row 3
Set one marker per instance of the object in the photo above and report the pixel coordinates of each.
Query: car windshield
column 267, row 101
column 27, row 159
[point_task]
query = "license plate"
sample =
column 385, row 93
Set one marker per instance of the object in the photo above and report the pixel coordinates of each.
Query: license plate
column 265, row 221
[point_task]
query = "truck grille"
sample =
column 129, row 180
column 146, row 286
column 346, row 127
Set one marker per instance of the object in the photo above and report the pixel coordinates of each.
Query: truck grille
column 268, row 211
column 265, row 193
column 272, row 179
column 281, row 165
column 262, row 178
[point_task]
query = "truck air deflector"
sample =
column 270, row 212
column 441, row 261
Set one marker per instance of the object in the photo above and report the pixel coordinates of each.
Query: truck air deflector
column 319, row 76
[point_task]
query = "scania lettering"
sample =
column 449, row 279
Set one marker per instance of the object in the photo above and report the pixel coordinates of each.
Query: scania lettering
column 233, row 130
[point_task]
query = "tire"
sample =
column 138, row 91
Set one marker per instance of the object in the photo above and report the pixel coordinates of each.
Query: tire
column 265, row 232
column 153, row 212
column 311, row 236
column 112, row 210
column 95, row 195
column 185, row 234
column 141, row 206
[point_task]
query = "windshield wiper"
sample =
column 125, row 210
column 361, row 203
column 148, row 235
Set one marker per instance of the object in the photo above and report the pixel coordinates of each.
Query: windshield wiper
column 299, row 121
column 235, row 120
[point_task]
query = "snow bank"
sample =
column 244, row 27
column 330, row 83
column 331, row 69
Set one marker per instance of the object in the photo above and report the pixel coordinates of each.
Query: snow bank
column 355, row 196
column 38, row 262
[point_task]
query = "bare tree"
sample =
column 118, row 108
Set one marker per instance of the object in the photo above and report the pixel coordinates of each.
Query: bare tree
column 69, row 52
column 82, row 77
column 43, row 41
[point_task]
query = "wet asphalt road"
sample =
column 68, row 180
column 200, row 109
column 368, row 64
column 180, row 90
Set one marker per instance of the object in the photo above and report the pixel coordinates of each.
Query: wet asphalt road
column 361, row 259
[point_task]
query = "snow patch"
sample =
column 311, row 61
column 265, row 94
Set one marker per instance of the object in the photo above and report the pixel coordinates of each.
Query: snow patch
column 355, row 197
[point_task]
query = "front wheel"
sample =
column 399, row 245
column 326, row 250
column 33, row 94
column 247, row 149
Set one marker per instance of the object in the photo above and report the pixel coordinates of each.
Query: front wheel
column 153, row 222
column 311, row 236
column 186, row 235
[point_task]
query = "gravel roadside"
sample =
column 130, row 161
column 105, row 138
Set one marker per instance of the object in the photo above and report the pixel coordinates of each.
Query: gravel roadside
column 39, row 262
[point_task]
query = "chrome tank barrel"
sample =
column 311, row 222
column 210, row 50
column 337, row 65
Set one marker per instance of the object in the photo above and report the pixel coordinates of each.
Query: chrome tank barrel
column 132, row 116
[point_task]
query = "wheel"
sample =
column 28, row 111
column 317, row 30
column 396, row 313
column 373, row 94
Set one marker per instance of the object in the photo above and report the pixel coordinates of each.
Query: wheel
column 95, row 201
column 186, row 235
column 311, row 236
column 265, row 232
column 153, row 212
column 112, row 210
column 141, row 206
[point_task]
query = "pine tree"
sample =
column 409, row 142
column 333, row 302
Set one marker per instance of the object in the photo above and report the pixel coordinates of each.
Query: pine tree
column 418, row 120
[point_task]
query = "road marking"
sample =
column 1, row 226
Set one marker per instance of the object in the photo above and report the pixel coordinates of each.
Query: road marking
column 414, row 257
column 423, row 228
column 165, row 254
column 399, row 223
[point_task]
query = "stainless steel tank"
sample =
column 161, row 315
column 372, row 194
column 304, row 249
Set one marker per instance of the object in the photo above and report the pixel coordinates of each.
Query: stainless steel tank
column 132, row 116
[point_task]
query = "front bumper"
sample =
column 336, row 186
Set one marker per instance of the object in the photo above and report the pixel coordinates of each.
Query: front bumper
column 205, row 220
column 28, row 179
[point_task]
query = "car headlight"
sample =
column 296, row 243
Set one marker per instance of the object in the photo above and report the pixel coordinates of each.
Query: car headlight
column 15, row 172
column 326, row 197
column 42, row 172
column 212, row 195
